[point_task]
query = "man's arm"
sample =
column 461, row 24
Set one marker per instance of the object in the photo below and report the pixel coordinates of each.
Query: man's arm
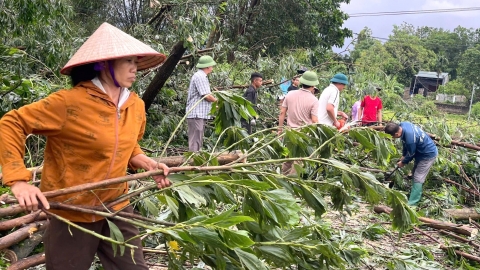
column 342, row 114
column 410, row 150
column 210, row 98
column 379, row 117
column 314, row 119
column 331, row 114
column 359, row 115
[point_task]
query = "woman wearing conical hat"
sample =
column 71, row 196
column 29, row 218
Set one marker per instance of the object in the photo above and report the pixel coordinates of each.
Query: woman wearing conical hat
column 92, row 134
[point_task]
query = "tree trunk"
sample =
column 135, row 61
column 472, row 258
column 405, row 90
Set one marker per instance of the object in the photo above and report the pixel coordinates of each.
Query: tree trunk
column 163, row 74
column 460, row 229
column 463, row 214
column 22, row 234
column 28, row 262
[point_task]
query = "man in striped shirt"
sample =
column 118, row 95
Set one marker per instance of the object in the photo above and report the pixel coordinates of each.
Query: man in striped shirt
column 199, row 103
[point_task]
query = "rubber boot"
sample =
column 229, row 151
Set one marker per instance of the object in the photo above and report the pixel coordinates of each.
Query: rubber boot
column 415, row 194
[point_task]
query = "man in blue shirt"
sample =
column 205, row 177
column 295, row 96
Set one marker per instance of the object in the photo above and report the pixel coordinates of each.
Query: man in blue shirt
column 416, row 145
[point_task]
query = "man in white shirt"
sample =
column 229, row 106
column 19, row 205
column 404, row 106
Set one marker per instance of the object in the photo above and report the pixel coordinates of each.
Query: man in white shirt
column 329, row 99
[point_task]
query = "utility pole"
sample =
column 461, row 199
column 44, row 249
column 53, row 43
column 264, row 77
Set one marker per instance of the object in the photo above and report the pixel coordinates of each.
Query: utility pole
column 471, row 100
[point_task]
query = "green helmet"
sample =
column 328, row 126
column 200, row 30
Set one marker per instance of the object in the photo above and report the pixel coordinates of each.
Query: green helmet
column 309, row 78
column 206, row 61
column 340, row 78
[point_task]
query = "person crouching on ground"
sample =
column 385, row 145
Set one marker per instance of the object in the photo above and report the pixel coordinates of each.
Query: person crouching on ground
column 92, row 134
column 416, row 145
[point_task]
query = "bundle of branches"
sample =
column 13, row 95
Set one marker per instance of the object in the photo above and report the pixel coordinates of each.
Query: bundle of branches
column 245, row 215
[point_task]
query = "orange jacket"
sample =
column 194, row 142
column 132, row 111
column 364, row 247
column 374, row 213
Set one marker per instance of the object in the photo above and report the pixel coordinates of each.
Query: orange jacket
column 88, row 140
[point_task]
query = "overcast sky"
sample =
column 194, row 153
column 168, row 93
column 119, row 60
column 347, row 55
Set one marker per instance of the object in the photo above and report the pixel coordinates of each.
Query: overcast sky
column 382, row 26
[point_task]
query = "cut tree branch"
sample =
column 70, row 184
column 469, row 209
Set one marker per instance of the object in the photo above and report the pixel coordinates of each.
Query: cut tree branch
column 28, row 262
column 460, row 229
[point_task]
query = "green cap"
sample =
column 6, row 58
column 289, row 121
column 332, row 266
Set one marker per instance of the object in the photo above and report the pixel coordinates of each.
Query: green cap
column 340, row 78
column 309, row 78
column 206, row 61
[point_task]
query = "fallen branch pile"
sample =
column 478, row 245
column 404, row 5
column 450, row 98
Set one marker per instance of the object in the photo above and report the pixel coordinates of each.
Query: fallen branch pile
column 445, row 228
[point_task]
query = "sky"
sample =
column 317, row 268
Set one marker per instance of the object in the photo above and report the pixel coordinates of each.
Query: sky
column 382, row 26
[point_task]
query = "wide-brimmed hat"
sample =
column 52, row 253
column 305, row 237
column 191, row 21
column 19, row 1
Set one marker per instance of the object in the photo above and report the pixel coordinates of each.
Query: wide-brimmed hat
column 309, row 78
column 340, row 78
column 206, row 61
column 109, row 42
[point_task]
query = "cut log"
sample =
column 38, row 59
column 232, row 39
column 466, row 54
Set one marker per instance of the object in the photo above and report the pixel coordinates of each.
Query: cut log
column 463, row 214
column 460, row 229
column 24, row 248
column 9, row 255
column 28, row 262
column 22, row 233
column 20, row 221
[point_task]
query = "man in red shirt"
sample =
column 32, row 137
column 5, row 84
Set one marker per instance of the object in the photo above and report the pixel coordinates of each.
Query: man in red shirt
column 371, row 108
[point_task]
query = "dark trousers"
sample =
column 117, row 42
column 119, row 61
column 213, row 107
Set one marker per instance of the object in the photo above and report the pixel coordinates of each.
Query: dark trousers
column 67, row 248
column 196, row 127
column 246, row 125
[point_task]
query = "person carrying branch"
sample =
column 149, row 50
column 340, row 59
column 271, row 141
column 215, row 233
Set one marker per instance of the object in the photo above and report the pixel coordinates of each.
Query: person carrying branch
column 199, row 103
column 92, row 134
column 329, row 101
column 416, row 145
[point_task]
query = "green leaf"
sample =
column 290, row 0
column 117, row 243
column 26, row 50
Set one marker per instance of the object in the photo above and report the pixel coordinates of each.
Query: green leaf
column 117, row 235
column 249, row 260
column 357, row 135
column 173, row 205
column 202, row 235
column 150, row 206
column 187, row 195
column 235, row 239
column 277, row 254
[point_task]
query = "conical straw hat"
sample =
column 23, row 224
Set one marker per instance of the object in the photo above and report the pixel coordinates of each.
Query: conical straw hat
column 109, row 42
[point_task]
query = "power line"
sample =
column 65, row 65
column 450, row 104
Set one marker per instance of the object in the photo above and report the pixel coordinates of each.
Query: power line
column 411, row 12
